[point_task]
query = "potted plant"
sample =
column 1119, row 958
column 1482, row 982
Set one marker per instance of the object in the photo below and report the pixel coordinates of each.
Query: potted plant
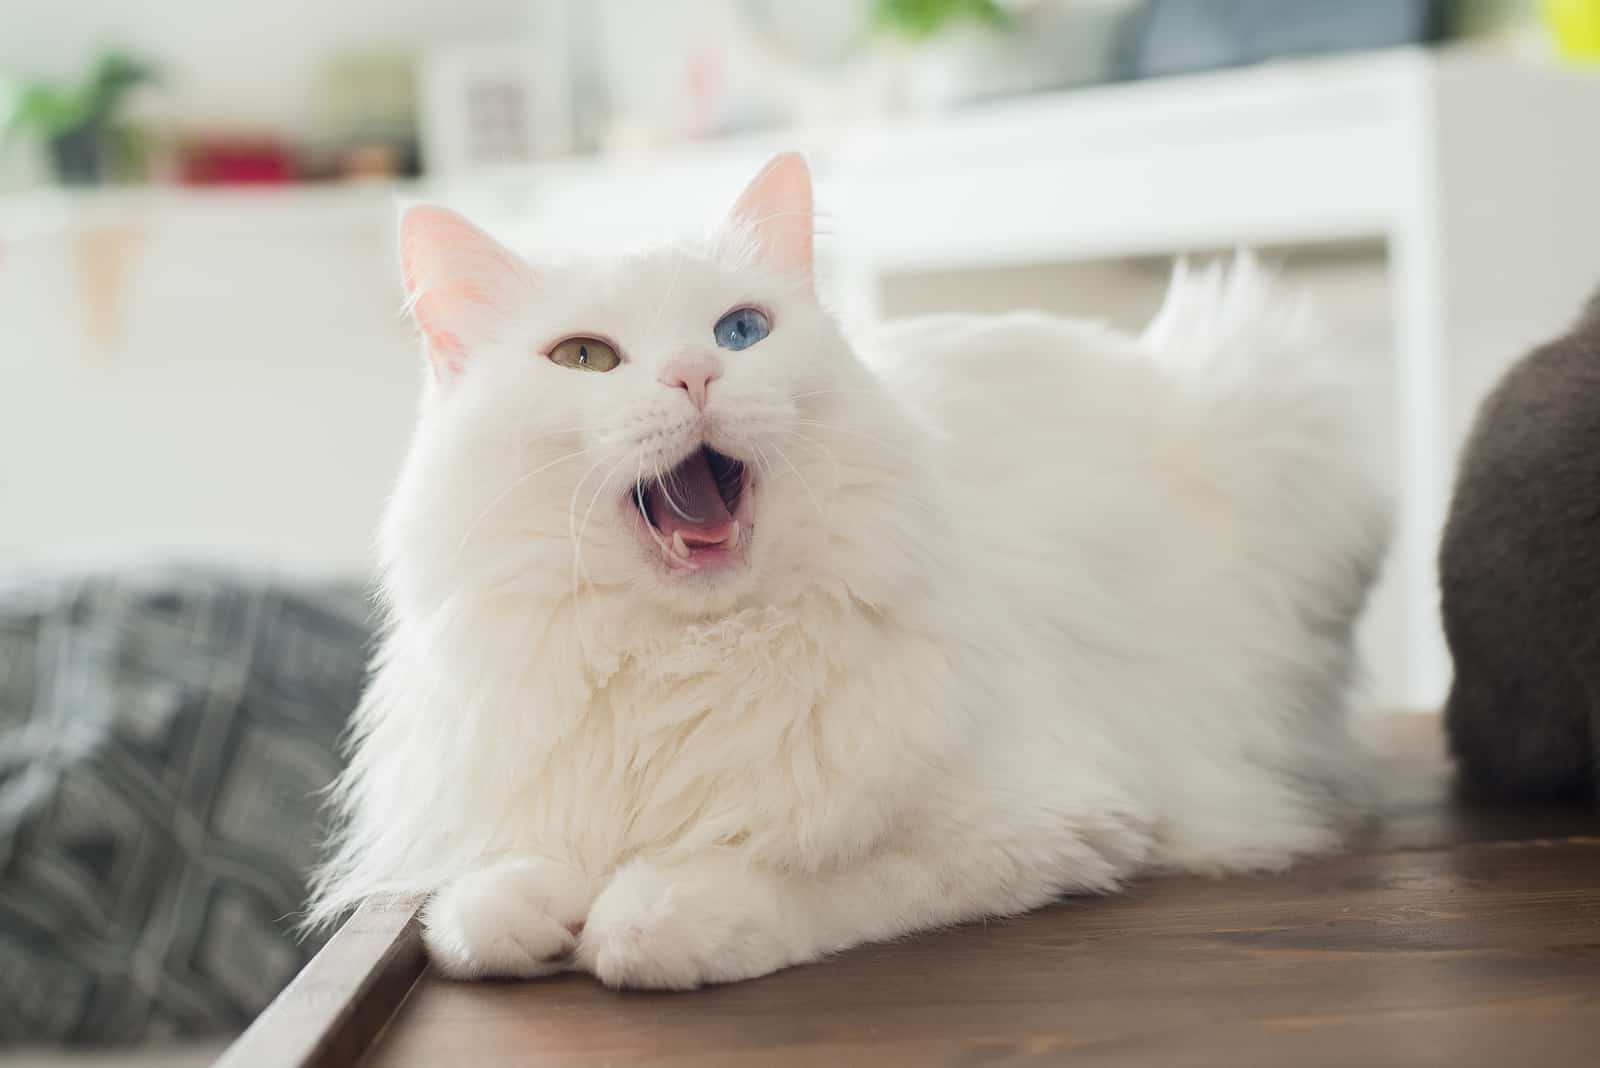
column 961, row 50
column 81, row 125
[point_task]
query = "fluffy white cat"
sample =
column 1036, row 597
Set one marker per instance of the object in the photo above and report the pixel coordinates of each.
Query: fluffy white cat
column 718, row 643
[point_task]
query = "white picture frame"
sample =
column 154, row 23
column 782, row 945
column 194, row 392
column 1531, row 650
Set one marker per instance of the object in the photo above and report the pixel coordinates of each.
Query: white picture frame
column 496, row 104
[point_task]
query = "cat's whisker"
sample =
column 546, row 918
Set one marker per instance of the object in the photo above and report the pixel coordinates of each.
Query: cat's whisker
column 820, row 447
column 672, row 283
column 594, row 499
column 572, row 504
column 898, row 450
column 503, row 494
column 578, row 573
column 821, row 515
column 812, row 215
column 832, row 392
column 762, row 463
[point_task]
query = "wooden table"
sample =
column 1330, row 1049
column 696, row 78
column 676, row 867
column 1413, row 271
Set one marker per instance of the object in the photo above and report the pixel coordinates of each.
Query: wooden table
column 1449, row 936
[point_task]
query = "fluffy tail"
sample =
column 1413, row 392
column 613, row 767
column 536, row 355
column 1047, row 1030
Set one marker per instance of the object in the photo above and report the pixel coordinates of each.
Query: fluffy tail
column 1227, row 324
column 1233, row 335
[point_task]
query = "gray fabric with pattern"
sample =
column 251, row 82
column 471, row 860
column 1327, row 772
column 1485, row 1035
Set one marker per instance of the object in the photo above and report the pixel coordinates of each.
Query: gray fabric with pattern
column 164, row 737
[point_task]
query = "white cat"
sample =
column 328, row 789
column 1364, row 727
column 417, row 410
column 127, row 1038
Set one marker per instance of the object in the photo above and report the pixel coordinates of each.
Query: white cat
column 718, row 643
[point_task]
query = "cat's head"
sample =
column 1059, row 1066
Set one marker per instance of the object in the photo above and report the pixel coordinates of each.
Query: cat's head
column 683, row 429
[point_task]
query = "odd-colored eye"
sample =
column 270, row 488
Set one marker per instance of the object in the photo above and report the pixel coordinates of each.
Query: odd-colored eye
column 585, row 354
column 741, row 328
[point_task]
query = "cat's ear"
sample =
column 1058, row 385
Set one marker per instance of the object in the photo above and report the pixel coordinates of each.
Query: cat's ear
column 776, row 206
column 461, row 284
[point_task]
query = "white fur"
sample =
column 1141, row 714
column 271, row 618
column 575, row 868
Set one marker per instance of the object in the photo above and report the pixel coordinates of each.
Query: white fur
column 1031, row 607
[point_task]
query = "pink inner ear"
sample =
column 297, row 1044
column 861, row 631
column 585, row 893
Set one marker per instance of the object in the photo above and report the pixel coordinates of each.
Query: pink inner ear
column 777, row 205
column 457, row 277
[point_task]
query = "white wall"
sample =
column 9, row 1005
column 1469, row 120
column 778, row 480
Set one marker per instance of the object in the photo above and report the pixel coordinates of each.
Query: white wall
column 251, row 396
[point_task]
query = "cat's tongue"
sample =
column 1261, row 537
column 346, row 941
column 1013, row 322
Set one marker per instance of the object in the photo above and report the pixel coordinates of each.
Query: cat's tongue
column 687, row 502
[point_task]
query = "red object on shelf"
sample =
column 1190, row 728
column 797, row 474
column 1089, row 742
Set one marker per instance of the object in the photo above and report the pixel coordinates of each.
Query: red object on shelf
column 238, row 163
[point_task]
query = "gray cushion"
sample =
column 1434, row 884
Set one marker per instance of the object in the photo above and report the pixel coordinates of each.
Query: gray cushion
column 163, row 740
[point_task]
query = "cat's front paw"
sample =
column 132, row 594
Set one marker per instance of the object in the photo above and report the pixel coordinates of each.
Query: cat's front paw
column 682, row 927
column 513, row 920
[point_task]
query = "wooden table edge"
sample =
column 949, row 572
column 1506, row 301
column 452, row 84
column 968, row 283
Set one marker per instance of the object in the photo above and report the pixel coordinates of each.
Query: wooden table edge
column 335, row 1009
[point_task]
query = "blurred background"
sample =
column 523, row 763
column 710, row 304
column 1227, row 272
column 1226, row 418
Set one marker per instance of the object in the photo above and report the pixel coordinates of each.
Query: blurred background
column 202, row 358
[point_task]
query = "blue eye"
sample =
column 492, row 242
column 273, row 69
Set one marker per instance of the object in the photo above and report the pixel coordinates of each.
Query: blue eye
column 741, row 328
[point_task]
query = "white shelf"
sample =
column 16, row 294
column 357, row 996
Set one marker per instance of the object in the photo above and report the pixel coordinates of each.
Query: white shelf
column 222, row 211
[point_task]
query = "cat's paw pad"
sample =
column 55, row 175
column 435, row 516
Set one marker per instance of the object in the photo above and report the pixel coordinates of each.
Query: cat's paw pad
column 512, row 921
column 662, row 930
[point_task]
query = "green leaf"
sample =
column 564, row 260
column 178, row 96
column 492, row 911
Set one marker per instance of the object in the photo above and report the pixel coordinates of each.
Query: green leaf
column 49, row 111
column 920, row 20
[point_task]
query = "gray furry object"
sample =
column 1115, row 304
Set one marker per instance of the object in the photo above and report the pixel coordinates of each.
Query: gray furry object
column 1519, row 574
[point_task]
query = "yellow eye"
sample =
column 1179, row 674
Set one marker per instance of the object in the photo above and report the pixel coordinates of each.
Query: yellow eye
column 585, row 354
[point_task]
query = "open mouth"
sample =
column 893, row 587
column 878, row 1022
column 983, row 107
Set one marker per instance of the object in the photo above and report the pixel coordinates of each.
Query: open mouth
column 693, row 512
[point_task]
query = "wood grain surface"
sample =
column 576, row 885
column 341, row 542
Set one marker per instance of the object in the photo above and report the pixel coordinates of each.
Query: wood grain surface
column 1449, row 936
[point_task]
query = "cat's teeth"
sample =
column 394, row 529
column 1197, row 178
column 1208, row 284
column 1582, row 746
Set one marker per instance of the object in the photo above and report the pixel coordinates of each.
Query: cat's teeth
column 733, row 534
column 679, row 548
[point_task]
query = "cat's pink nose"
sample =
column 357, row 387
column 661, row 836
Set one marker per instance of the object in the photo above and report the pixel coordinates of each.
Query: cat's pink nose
column 693, row 375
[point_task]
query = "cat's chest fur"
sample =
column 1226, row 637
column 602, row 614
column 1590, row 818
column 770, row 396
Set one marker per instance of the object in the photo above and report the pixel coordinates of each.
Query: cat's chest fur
column 763, row 730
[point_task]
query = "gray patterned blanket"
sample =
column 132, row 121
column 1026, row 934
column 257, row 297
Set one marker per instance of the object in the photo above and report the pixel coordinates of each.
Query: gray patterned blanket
column 164, row 737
